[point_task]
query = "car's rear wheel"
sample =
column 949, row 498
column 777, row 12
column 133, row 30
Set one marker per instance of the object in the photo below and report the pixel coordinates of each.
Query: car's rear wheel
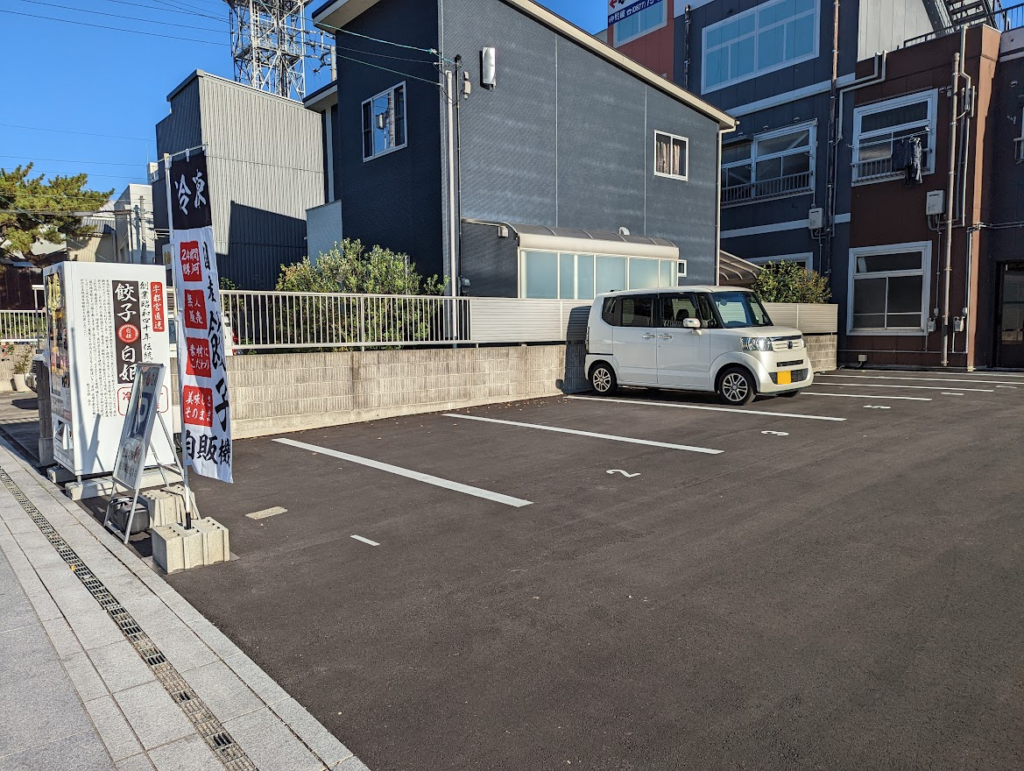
column 736, row 387
column 602, row 379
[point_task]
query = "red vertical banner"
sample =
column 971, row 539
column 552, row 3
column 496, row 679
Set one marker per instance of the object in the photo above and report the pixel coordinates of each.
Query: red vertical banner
column 206, row 410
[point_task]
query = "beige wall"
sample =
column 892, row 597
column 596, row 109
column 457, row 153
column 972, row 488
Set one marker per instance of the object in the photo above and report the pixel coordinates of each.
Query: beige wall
column 292, row 392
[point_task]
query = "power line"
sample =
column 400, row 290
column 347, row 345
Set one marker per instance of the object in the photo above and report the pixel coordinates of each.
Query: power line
column 388, row 69
column 115, row 15
column 78, row 133
column 431, row 51
column 167, row 10
column 384, row 56
column 87, row 173
column 185, row 7
column 115, row 29
column 71, row 160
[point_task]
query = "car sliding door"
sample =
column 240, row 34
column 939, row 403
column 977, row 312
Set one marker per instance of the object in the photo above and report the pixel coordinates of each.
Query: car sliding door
column 636, row 350
column 684, row 355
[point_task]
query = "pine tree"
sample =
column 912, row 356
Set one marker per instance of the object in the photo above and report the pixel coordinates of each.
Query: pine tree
column 32, row 209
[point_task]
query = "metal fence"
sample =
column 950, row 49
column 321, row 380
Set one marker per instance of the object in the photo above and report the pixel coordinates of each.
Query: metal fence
column 307, row 320
column 304, row 321
column 22, row 326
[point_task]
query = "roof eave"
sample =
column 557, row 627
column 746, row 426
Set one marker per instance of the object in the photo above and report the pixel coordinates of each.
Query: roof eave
column 337, row 13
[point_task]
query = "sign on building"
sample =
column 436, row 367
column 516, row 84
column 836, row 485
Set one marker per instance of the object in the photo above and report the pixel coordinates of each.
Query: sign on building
column 623, row 9
column 206, row 412
column 102, row 321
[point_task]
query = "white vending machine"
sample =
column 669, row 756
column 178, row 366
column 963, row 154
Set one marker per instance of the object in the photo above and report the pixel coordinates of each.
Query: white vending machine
column 101, row 321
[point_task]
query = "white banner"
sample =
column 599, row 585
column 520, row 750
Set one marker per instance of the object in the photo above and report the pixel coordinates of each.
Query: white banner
column 206, row 415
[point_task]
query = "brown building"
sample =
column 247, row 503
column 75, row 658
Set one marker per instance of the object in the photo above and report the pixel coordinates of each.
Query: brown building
column 918, row 294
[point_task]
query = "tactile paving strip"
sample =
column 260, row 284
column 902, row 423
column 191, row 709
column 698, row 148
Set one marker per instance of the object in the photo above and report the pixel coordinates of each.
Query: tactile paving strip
column 207, row 725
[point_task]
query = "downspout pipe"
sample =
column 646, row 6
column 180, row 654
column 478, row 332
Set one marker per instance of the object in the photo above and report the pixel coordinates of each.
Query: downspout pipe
column 947, row 270
column 877, row 76
column 831, row 160
column 686, row 48
column 967, row 288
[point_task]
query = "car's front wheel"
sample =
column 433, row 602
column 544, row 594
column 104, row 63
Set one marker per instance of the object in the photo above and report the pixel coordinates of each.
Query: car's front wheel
column 602, row 379
column 736, row 387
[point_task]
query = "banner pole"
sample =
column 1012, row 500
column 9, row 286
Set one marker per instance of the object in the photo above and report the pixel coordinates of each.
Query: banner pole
column 180, row 333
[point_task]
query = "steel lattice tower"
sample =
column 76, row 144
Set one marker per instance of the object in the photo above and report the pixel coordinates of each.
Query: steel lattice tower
column 268, row 45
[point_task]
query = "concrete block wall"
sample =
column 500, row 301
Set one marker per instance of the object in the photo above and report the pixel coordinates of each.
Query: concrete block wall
column 292, row 392
column 822, row 350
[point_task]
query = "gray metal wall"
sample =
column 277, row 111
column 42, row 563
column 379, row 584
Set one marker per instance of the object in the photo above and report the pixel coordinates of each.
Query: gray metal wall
column 393, row 200
column 886, row 24
column 567, row 139
column 265, row 160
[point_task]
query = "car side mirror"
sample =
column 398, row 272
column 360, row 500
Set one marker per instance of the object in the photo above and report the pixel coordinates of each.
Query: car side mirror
column 691, row 323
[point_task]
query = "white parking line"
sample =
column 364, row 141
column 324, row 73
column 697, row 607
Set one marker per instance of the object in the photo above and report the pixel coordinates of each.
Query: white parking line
column 950, row 393
column 703, row 407
column 922, row 379
column 409, row 474
column 922, row 388
column 366, row 540
column 610, row 437
column 868, row 396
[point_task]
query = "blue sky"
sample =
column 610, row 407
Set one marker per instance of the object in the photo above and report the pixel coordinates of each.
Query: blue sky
column 73, row 93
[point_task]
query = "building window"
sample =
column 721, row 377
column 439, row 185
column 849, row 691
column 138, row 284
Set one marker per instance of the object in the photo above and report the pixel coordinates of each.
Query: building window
column 877, row 126
column 764, row 39
column 889, row 288
column 680, row 271
column 773, row 164
column 384, row 123
column 804, row 259
column 671, row 155
column 568, row 276
column 640, row 23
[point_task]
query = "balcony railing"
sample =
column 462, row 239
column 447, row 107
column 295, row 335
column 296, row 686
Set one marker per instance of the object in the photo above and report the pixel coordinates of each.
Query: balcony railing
column 881, row 167
column 1003, row 19
column 767, row 188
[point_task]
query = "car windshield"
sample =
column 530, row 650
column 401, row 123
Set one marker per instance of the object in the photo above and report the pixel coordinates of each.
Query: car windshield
column 740, row 309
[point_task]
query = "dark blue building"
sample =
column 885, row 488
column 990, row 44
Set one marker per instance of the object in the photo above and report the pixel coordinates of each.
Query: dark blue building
column 567, row 170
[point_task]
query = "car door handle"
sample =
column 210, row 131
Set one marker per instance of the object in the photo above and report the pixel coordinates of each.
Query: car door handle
column 664, row 337
column 648, row 336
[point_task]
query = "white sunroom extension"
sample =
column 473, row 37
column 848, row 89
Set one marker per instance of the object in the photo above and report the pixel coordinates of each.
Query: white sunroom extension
column 572, row 264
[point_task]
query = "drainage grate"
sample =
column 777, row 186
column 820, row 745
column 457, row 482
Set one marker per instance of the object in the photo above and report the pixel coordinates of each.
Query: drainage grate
column 206, row 724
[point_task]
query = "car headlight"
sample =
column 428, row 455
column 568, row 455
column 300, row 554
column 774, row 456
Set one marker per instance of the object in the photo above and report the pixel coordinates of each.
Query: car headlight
column 757, row 343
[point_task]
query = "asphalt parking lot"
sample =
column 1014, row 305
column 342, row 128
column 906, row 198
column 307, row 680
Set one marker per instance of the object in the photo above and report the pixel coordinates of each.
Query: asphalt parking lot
column 651, row 581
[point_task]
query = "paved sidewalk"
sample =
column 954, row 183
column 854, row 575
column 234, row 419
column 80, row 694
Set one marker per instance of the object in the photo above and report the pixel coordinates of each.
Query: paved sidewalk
column 104, row 666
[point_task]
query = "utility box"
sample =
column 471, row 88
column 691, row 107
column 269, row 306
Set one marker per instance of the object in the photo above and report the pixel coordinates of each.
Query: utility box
column 934, row 204
column 101, row 321
column 816, row 218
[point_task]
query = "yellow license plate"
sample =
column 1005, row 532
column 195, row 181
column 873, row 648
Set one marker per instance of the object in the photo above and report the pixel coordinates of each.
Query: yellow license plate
column 785, row 378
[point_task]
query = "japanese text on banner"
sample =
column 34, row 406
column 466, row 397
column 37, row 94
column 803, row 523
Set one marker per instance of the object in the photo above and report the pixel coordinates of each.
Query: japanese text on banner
column 206, row 415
